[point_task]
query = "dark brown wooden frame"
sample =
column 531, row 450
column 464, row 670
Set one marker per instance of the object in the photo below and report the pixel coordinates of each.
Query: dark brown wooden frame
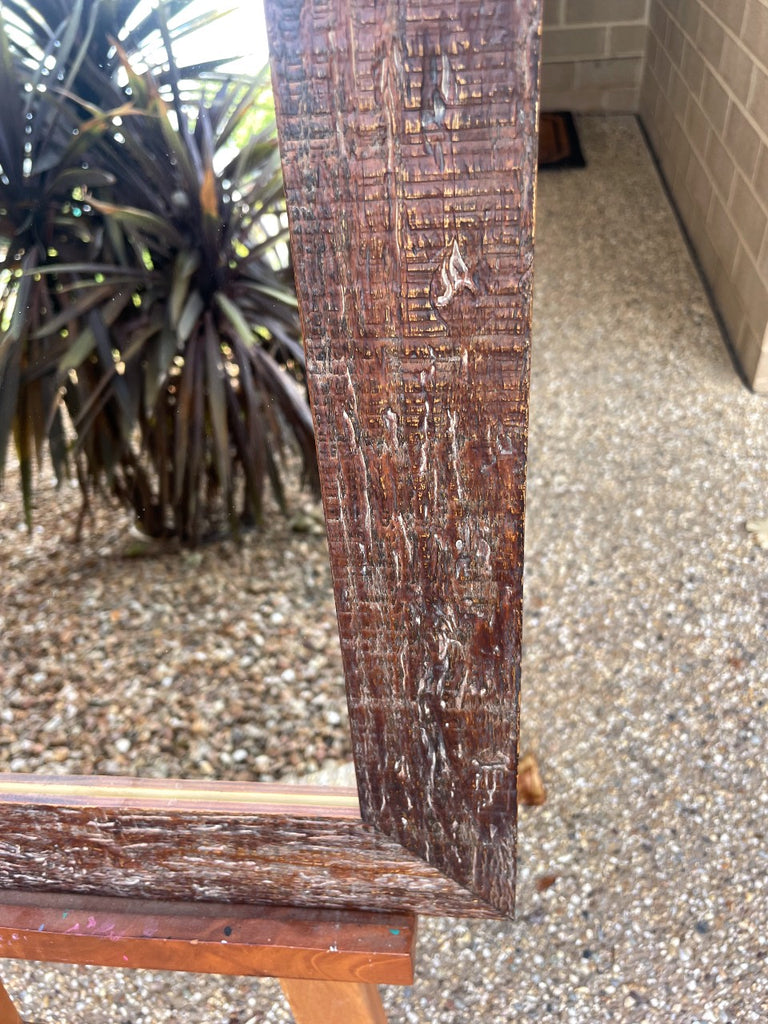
column 408, row 133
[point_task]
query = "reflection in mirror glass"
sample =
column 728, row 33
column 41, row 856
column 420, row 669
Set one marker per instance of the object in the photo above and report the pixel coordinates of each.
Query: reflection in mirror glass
column 165, row 601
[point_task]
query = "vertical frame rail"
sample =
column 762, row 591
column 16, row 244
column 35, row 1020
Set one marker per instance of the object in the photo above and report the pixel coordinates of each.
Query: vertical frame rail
column 408, row 135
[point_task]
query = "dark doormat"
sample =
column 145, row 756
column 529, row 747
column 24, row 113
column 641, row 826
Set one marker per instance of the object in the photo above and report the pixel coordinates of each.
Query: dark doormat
column 559, row 142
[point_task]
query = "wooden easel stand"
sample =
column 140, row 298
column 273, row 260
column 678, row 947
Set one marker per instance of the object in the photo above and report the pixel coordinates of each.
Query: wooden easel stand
column 329, row 964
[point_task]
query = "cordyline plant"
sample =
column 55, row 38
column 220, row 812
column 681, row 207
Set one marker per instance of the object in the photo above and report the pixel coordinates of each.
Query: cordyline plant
column 142, row 289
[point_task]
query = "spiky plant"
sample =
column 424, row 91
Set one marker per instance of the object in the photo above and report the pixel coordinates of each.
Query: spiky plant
column 42, row 151
column 172, row 335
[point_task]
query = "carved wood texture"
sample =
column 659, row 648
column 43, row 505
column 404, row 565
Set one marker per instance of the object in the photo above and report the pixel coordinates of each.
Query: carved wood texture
column 175, row 840
column 408, row 137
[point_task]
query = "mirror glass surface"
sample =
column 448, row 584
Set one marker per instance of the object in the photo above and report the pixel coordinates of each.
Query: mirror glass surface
column 120, row 655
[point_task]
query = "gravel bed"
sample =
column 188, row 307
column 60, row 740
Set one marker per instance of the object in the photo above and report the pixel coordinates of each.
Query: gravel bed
column 119, row 656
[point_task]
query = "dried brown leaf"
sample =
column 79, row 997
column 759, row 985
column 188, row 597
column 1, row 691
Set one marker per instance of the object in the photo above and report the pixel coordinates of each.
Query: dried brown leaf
column 544, row 882
column 530, row 788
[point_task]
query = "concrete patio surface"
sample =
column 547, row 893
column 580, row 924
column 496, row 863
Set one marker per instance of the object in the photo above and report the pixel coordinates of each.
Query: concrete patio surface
column 642, row 880
column 642, row 886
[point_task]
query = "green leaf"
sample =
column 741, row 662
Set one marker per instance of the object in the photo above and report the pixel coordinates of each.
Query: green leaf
column 190, row 316
column 67, row 41
column 185, row 266
column 74, row 310
column 278, row 294
column 116, row 240
column 78, row 351
column 58, row 445
column 80, row 178
column 235, row 317
column 159, row 355
column 127, row 403
column 186, row 389
column 158, row 228
column 10, row 377
column 240, row 114
column 20, row 317
column 217, row 406
column 11, row 131
column 253, row 453
column 192, row 514
column 124, row 273
column 22, row 437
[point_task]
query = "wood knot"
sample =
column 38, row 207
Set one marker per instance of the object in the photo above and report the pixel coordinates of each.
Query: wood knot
column 452, row 277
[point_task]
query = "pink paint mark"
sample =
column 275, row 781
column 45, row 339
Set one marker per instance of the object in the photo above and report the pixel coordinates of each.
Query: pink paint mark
column 75, row 928
column 107, row 929
column 91, row 923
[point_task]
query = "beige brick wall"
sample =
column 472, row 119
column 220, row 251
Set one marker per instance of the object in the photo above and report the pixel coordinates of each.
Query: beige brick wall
column 592, row 54
column 704, row 104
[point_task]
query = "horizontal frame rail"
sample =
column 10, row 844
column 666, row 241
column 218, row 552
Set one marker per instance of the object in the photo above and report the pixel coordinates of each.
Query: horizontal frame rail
column 220, row 841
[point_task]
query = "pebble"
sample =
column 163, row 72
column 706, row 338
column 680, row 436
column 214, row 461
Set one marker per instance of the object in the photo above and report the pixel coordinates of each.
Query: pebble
column 176, row 641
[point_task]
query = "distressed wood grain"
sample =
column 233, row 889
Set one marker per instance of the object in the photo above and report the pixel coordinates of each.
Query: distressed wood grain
column 408, row 136
column 207, row 841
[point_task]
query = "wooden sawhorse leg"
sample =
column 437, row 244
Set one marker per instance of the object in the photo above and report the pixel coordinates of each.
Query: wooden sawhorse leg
column 324, row 1002
column 311, row 1002
column 328, row 962
column 8, row 1012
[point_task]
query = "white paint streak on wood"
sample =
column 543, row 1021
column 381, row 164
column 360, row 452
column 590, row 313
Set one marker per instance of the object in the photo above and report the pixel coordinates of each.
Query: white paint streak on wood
column 454, row 275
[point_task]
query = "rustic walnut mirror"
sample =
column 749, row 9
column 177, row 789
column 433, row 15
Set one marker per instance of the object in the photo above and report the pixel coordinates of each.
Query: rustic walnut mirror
column 408, row 137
